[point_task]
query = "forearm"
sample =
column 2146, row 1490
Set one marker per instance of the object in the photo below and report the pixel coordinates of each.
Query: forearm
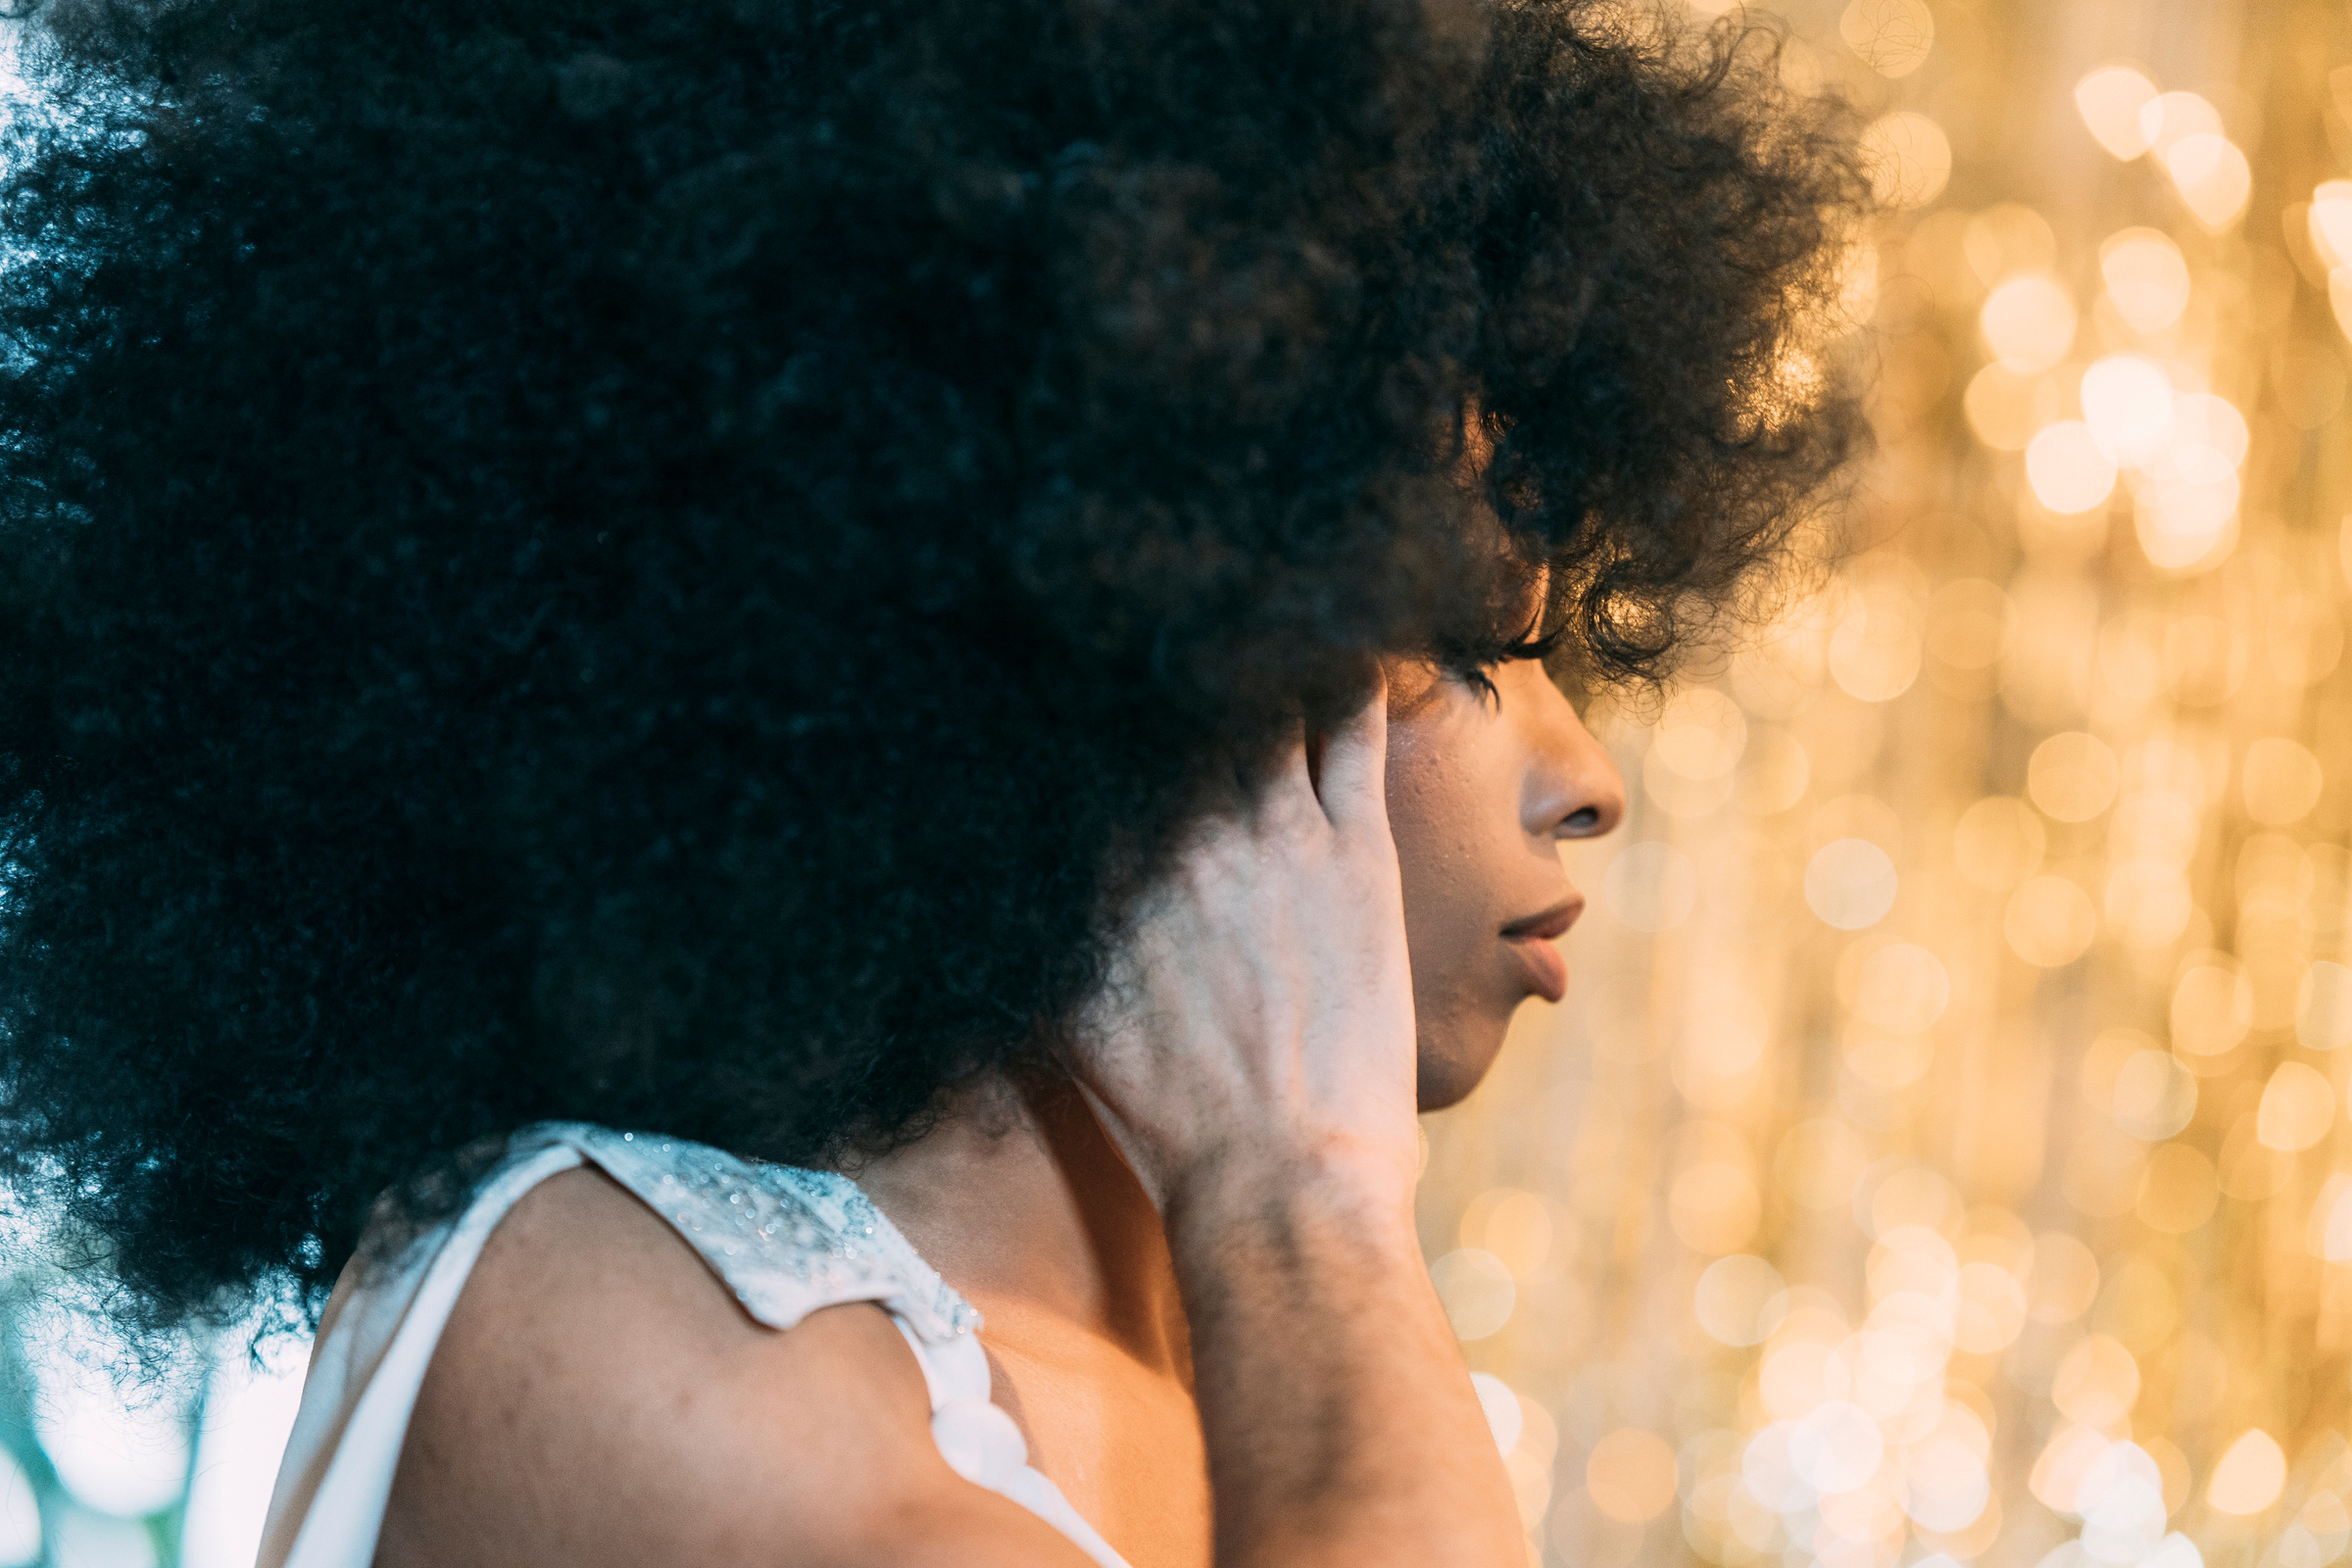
column 1340, row 1421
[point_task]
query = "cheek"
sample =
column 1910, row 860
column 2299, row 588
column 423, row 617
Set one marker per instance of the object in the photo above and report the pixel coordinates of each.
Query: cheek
column 1454, row 815
column 1437, row 858
column 1462, row 1001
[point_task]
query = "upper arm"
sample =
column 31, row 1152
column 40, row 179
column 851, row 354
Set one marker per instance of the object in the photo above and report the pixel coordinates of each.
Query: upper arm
column 598, row 1397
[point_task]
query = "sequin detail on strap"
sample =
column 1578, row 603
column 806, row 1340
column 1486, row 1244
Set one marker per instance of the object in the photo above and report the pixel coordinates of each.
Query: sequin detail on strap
column 785, row 1240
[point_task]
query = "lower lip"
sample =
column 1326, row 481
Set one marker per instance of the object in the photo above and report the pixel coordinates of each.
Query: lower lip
column 1546, row 967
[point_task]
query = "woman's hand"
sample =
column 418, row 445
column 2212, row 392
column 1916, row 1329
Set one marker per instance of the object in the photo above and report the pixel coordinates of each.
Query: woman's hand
column 1259, row 1025
column 1254, row 1060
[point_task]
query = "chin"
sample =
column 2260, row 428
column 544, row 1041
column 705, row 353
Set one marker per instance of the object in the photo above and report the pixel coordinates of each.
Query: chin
column 1452, row 1066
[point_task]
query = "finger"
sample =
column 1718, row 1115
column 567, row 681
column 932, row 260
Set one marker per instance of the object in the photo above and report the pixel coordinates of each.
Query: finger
column 1284, row 794
column 1354, row 786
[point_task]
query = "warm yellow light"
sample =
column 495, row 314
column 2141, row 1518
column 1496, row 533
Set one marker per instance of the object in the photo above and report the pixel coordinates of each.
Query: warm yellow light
column 2072, row 1452
column 2005, row 406
column 1816, row 1163
column 2329, row 1233
column 1962, row 1419
column 1650, row 886
column 2029, row 323
column 1740, row 1300
column 1911, row 1256
column 1874, row 649
column 1629, row 1475
column 2102, row 1175
column 2130, row 656
column 1858, row 282
column 2185, row 522
column 2163, row 769
column 2307, row 643
column 1513, row 1225
column 1850, row 883
column 2171, row 118
column 2128, row 403
column 2251, row 1475
column 2210, row 438
column 2147, row 279
column 1969, row 623
column 1477, row 1291
column 2282, row 781
column 1678, row 794
column 1701, row 734
column 1999, row 843
column 2051, row 921
column 1884, row 1061
column 1993, row 1308
column 2323, row 1007
column 1714, row 1207
column 2073, row 776
column 1902, row 989
column 2154, row 1096
column 2096, row 1382
column 2067, row 469
column 1908, row 156
column 1892, row 38
column 1794, row 386
column 2213, row 178
column 2175, row 549
column 1946, row 1486
column 1531, row 1485
column 1773, row 772
column 2111, row 99
column 2005, row 239
column 2064, row 1279
column 1726, row 1033
column 2174, row 860
column 1910, row 1195
column 2330, row 221
column 2297, row 1109
column 2149, row 902
column 2156, row 824
column 2324, row 1514
column 2251, row 1171
column 2213, row 1007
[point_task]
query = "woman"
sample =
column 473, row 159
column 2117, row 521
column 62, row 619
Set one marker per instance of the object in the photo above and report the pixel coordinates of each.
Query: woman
column 615, row 613
column 1276, row 955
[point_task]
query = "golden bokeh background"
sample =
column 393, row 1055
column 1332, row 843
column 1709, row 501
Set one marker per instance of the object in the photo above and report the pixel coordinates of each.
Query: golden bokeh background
column 1943, row 1150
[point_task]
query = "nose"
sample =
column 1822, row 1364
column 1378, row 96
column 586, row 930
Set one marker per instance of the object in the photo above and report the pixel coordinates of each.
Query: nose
column 1572, row 790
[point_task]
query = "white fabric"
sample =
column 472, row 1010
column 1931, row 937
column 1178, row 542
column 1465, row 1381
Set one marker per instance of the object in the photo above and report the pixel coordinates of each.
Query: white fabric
column 785, row 1240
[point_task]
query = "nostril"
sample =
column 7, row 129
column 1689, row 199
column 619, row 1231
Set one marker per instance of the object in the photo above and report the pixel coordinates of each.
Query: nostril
column 1584, row 819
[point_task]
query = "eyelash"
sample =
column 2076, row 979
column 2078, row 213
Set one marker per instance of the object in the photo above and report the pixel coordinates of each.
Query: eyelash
column 1480, row 684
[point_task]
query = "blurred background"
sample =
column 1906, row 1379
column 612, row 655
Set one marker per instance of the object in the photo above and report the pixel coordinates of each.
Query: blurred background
column 1941, row 1155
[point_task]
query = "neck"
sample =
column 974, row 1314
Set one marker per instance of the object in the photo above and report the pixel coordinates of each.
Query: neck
column 1023, row 1204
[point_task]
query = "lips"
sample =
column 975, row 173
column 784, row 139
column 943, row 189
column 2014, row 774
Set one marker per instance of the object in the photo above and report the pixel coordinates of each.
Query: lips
column 1546, row 967
column 1531, row 938
column 1545, row 924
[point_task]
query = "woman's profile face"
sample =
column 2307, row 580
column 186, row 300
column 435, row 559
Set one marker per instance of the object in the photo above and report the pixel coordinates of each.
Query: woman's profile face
column 1482, row 787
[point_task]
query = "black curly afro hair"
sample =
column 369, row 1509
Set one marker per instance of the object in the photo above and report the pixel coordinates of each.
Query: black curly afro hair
column 676, row 564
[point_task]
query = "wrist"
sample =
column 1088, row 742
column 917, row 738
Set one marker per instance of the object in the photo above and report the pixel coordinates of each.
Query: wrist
column 1233, row 1196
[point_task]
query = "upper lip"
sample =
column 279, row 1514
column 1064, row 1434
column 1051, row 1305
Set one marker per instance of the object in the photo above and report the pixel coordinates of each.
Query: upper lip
column 1546, row 923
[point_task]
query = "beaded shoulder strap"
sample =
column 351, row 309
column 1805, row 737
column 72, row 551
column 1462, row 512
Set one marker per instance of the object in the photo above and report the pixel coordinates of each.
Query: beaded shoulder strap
column 785, row 1240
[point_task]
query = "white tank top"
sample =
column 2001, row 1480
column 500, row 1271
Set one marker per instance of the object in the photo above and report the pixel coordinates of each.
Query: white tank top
column 786, row 1242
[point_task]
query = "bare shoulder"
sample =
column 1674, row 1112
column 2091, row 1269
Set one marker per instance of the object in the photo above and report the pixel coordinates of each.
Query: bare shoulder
column 598, row 1397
